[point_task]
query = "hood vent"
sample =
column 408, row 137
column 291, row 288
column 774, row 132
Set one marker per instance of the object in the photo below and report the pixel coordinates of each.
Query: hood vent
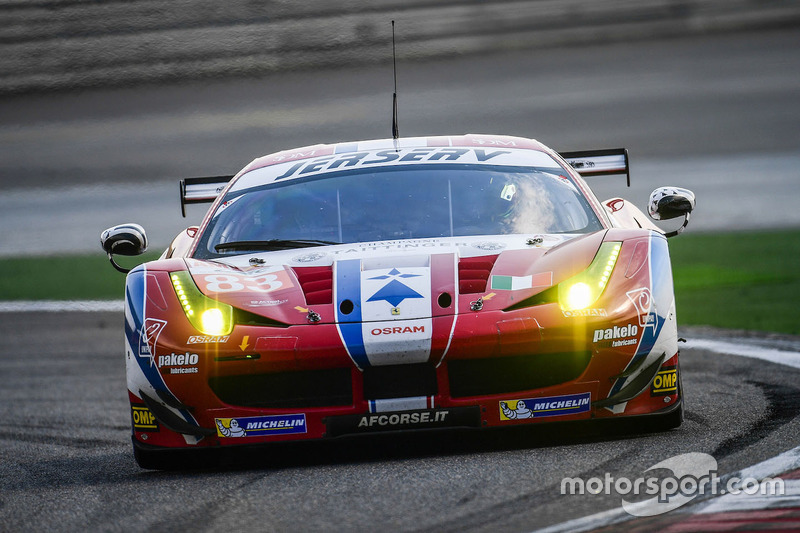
column 473, row 273
column 317, row 284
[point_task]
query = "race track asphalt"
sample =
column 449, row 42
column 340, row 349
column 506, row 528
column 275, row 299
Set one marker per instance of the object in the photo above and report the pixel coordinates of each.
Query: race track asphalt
column 67, row 463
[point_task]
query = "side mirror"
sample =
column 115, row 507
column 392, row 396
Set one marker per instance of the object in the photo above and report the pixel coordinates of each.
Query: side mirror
column 124, row 239
column 671, row 202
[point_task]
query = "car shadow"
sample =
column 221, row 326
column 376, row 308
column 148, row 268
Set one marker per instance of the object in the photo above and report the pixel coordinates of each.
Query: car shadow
column 390, row 446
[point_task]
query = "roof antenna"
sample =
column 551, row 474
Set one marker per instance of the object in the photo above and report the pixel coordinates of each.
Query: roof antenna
column 395, row 129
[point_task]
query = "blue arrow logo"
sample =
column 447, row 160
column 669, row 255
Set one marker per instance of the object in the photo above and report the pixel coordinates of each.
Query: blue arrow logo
column 395, row 292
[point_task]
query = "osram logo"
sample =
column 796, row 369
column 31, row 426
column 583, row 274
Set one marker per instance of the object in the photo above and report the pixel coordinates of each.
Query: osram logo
column 397, row 330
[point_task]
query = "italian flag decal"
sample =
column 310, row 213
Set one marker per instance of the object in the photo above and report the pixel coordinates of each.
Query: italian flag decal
column 515, row 283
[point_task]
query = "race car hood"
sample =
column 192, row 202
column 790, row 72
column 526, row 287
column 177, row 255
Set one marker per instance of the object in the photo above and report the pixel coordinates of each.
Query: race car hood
column 392, row 281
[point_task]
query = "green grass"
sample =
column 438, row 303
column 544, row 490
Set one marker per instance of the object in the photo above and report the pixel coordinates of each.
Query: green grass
column 745, row 280
column 79, row 277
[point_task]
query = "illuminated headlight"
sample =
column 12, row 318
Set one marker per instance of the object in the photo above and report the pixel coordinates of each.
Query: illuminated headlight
column 581, row 291
column 578, row 296
column 213, row 322
column 208, row 316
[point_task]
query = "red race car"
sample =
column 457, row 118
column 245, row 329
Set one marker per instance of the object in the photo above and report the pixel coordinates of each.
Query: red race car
column 401, row 284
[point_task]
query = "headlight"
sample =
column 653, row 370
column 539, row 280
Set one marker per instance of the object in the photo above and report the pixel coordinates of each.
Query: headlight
column 208, row 316
column 584, row 289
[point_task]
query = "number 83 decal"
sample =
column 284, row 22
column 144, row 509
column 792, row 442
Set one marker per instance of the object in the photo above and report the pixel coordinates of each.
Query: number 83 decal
column 232, row 282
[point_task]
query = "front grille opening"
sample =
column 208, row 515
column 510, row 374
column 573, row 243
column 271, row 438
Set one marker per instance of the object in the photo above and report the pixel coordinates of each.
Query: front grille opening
column 316, row 283
column 473, row 273
column 497, row 375
column 314, row 388
column 399, row 381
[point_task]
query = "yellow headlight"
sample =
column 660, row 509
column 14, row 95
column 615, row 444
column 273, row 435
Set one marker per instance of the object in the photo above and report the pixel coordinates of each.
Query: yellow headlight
column 207, row 315
column 213, row 323
column 584, row 289
column 579, row 296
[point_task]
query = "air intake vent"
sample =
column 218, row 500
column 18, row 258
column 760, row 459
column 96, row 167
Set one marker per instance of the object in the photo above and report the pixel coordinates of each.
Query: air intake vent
column 502, row 375
column 317, row 284
column 286, row 390
column 473, row 273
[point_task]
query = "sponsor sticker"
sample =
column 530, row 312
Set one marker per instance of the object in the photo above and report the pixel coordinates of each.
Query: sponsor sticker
column 404, row 420
column 151, row 329
column 620, row 335
column 260, row 426
column 665, row 382
column 584, row 312
column 178, row 359
column 568, row 404
column 419, row 155
column 142, row 419
column 397, row 330
column 207, row 339
column 266, row 303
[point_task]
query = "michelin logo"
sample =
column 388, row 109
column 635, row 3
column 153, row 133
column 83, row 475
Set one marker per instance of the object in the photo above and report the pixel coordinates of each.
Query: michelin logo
column 260, row 426
column 569, row 404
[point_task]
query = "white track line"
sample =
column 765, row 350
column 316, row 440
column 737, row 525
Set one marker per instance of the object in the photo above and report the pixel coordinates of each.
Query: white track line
column 782, row 357
column 58, row 306
column 784, row 462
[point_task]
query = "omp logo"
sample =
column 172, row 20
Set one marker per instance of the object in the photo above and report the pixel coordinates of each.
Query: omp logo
column 397, row 329
column 665, row 382
column 143, row 419
column 616, row 332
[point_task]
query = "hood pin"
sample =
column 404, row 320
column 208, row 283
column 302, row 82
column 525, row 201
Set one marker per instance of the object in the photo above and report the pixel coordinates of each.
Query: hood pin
column 477, row 305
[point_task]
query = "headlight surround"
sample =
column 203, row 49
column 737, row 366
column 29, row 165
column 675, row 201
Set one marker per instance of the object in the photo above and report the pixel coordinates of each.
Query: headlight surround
column 208, row 316
column 584, row 289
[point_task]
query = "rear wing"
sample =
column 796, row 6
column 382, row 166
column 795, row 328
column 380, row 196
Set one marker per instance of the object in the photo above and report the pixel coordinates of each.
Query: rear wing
column 590, row 163
column 200, row 190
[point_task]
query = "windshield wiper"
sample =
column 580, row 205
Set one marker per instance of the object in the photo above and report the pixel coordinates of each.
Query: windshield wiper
column 272, row 244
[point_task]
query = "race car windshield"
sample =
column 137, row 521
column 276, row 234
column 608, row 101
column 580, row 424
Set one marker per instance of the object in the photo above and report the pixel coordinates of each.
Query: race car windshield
column 399, row 203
